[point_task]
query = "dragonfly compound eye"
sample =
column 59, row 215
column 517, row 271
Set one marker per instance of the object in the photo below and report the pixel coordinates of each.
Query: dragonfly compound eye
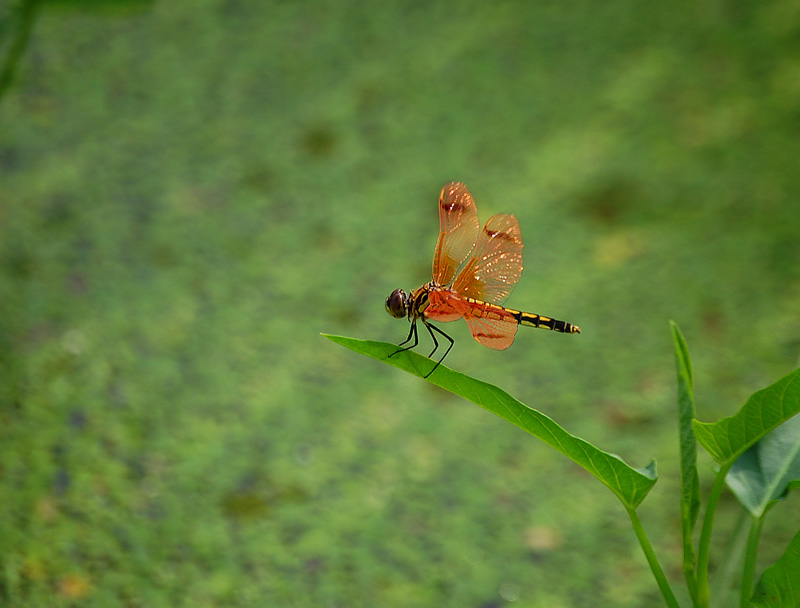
column 397, row 304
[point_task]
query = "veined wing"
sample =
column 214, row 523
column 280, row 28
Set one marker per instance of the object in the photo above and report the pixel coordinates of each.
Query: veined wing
column 496, row 262
column 445, row 305
column 491, row 325
column 458, row 231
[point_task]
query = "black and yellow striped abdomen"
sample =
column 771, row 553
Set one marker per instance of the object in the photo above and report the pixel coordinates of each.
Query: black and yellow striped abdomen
column 501, row 313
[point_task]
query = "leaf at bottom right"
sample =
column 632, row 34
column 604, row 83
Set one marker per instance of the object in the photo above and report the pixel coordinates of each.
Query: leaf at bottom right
column 779, row 585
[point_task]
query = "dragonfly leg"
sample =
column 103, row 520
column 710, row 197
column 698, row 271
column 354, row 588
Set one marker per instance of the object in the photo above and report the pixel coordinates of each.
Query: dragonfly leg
column 412, row 333
column 431, row 329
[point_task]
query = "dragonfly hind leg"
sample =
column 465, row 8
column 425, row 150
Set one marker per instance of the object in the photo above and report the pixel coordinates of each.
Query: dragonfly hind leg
column 431, row 329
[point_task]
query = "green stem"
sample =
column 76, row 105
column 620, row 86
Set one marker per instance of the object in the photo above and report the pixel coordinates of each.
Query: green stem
column 704, row 548
column 27, row 16
column 730, row 562
column 661, row 579
column 749, row 569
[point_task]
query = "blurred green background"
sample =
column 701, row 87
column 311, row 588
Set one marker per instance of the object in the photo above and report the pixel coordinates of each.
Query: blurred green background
column 191, row 191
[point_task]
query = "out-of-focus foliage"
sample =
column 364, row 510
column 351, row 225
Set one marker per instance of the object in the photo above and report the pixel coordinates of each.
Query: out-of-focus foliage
column 190, row 193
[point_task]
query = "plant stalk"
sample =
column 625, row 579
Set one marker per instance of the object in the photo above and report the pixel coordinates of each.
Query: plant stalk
column 704, row 548
column 749, row 568
column 652, row 560
column 27, row 10
column 730, row 563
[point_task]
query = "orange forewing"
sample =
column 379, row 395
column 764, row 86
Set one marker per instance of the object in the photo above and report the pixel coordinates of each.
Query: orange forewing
column 458, row 231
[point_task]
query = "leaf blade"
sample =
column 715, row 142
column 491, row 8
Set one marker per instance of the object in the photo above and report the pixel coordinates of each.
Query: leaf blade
column 629, row 484
column 729, row 438
column 779, row 585
column 690, row 480
column 768, row 470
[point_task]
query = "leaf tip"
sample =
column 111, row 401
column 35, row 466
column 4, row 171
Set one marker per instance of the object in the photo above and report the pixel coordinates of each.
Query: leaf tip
column 341, row 340
column 650, row 471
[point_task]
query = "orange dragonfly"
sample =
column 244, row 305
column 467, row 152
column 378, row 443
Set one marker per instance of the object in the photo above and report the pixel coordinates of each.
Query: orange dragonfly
column 474, row 271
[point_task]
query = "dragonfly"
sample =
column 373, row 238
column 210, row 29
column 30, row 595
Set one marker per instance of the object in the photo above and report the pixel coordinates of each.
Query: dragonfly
column 474, row 271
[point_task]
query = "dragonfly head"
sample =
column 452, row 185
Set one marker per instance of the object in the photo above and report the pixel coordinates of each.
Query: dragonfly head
column 397, row 304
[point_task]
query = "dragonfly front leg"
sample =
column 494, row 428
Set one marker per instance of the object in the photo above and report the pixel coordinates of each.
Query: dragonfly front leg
column 412, row 333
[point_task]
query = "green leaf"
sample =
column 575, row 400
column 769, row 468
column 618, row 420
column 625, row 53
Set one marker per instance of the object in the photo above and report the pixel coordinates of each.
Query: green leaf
column 690, row 483
column 765, row 473
column 629, row 484
column 727, row 439
column 779, row 585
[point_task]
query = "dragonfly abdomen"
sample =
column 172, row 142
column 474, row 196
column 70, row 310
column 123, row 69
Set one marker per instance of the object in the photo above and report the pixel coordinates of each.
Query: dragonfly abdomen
column 532, row 320
column 494, row 311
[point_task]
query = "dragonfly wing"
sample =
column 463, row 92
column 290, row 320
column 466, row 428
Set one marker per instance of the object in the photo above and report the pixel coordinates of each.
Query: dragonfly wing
column 496, row 331
column 490, row 325
column 445, row 305
column 458, row 231
column 496, row 262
